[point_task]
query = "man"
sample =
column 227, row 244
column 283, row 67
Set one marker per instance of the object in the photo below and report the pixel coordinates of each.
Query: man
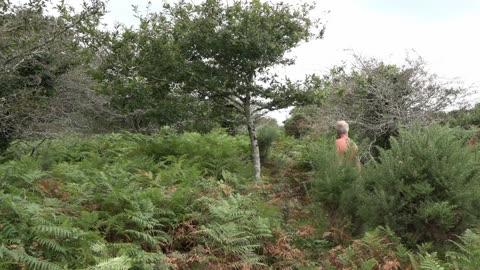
column 345, row 146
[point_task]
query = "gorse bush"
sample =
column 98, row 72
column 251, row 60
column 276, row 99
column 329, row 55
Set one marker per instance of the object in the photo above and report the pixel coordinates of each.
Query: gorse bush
column 333, row 181
column 426, row 187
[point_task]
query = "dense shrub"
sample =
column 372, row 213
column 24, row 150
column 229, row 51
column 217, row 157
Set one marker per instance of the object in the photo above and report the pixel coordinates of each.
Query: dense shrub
column 266, row 137
column 464, row 118
column 426, row 187
column 333, row 181
column 297, row 126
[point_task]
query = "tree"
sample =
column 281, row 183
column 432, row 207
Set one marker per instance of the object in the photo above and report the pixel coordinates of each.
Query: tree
column 142, row 70
column 305, row 121
column 380, row 98
column 231, row 49
column 74, row 108
column 212, row 59
column 35, row 50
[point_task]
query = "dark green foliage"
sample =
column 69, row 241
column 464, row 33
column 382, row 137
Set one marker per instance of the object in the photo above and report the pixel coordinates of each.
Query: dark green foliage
column 267, row 135
column 463, row 118
column 297, row 126
column 333, row 182
column 426, row 187
column 36, row 50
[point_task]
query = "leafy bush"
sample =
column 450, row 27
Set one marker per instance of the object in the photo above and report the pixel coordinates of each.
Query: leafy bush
column 297, row 126
column 426, row 187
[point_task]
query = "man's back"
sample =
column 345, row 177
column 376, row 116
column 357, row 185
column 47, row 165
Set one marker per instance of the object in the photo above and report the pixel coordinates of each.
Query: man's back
column 344, row 145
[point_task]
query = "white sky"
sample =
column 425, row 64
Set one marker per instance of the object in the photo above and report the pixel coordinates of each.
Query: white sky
column 443, row 32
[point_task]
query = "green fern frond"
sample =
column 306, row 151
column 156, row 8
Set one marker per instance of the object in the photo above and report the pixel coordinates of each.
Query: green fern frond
column 145, row 237
column 51, row 244
column 428, row 262
column 468, row 254
column 141, row 220
column 99, row 247
column 117, row 263
column 369, row 264
column 55, row 231
column 30, row 261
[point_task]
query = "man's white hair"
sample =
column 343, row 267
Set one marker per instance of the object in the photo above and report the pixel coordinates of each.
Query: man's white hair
column 342, row 127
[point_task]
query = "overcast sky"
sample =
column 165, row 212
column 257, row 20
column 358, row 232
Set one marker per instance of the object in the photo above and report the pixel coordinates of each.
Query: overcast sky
column 443, row 32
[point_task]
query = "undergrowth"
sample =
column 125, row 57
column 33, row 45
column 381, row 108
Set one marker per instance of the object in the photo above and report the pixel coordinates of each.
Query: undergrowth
column 188, row 201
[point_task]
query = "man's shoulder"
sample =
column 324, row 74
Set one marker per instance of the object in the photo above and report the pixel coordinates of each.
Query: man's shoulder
column 341, row 141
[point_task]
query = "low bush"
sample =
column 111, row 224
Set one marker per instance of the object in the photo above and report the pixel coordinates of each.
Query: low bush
column 426, row 187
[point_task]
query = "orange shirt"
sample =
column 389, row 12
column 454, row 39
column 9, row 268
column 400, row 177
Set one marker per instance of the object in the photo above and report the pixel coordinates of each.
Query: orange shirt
column 343, row 145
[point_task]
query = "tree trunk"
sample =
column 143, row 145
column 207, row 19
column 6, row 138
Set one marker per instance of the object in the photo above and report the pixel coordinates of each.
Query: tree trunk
column 253, row 141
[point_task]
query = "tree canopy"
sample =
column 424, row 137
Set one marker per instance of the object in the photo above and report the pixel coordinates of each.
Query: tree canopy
column 213, row 55
column 35, row 49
